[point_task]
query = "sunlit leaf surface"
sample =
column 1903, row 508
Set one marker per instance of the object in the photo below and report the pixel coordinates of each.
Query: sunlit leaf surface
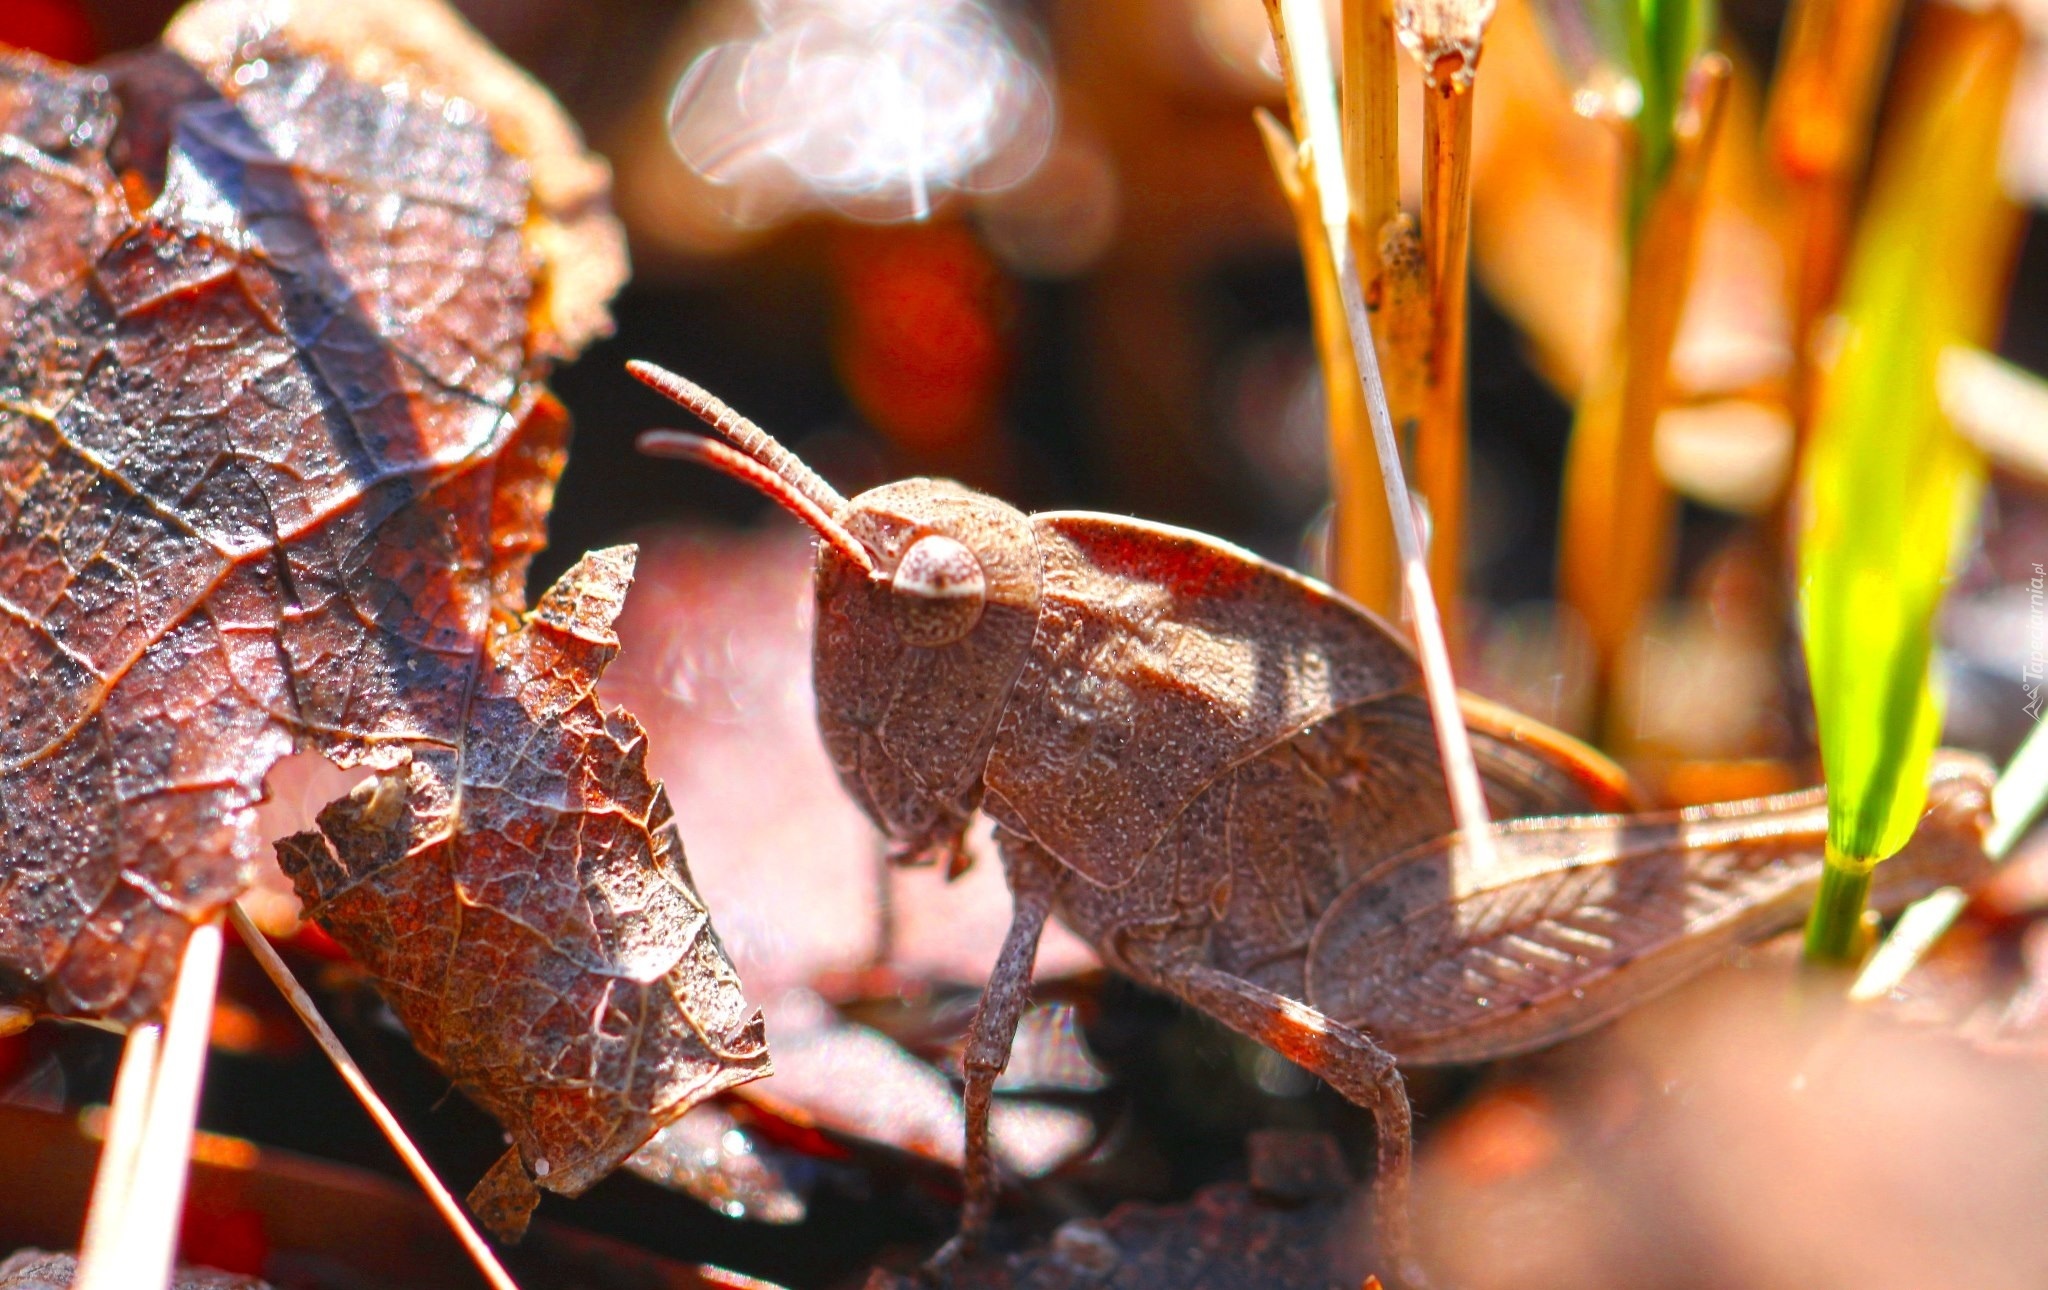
column 274, row 458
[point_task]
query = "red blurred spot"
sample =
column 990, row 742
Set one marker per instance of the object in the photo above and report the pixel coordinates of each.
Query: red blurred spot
column 1700, row 782
column 919, row 343
column 779, row 1131
column 236, row 1029
column 229, row 1239
column 1505, row 1134
column 311, row 939
column 14, row 1054
column 58, row 28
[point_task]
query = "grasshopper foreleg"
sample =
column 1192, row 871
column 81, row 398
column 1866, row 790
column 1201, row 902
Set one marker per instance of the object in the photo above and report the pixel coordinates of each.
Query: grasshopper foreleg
column 988, row 1048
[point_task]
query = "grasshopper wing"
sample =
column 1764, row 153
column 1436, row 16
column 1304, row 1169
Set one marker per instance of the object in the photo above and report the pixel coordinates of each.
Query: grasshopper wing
column 1584, row 918
column 1163, row 659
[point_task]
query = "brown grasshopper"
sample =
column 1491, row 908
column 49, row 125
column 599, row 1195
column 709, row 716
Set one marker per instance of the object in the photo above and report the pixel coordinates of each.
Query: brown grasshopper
column 1223, row 776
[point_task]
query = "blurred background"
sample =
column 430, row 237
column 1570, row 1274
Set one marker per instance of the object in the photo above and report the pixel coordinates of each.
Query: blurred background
column 1104, row 305
column 1038, row 246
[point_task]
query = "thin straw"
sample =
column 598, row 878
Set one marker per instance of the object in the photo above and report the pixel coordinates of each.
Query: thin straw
column 352, row 1075
column 125, row 1118
column 139, row 1252
column 2016, row 802
column 1308, row 55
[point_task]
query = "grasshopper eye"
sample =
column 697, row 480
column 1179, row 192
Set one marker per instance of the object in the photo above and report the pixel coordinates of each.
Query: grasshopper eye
column 939, row 592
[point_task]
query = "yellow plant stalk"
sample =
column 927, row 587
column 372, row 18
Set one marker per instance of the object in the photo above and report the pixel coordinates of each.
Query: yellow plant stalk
column 1446, row 37
column 1363, row 562
column 1817, row 132
column 1305, row 58
column 1441, row 439
column 1403, row 329
column 1415, row 280
column 1369, row 107
column 1614, row 548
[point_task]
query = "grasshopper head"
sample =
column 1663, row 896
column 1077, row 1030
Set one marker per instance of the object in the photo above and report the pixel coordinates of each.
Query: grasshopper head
column 927, row 600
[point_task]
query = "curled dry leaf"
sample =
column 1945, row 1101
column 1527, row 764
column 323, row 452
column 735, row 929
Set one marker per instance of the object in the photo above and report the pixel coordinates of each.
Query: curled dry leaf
column 569, row 226
column 274, row 458
column 711, row 1155
column 1290, row 1229
column 522, row 899
column 42, row 1270
column 270, row 456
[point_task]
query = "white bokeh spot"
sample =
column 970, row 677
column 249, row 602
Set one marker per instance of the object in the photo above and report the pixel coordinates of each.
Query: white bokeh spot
column 875, row 108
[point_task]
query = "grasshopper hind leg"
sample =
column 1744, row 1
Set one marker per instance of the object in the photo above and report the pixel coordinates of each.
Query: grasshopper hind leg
column 1345, row 1057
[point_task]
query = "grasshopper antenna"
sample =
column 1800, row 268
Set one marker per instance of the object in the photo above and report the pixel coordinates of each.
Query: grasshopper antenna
column 720, row 457
column 741, row 433
column 752, row 455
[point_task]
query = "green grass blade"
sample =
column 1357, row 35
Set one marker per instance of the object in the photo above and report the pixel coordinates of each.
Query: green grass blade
column 1633, row 59
column 1888, row 484
column 1665, row 39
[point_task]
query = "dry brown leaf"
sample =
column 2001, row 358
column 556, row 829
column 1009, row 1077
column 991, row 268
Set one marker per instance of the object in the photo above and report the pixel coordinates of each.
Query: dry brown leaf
column 270, row 455
column 274, row 458
column 270, row 450
column 711, row 1155
column 569, row 227
column 42, row 1270
column 523, row 901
